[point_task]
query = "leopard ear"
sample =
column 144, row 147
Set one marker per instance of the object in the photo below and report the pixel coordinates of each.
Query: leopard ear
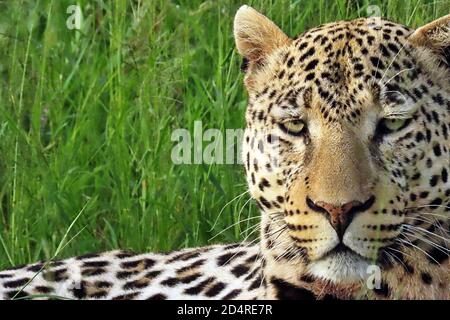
column 435, row 36
column 256, row 36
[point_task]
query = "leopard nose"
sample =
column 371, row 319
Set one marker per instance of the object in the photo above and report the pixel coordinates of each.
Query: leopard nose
column 340, row 216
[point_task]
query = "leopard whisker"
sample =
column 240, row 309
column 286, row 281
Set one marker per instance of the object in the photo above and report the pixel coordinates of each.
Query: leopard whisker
column 285, row 251
column 392, row 61
column 431, row 243
column 249, row 244
column 428, row 206
column 233, row 225
column 281, row 229
column 433, row 222
column 412, row 245
column 242, row 209
column 413, row 228
column 399, row 251
column 255, row 226
column 398, row 73
column 290, row 251
column 433, row 214
column 227, row 204
column 393, row 258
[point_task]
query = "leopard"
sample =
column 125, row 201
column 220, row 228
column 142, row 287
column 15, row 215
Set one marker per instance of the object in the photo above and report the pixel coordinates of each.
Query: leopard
column 346, row 152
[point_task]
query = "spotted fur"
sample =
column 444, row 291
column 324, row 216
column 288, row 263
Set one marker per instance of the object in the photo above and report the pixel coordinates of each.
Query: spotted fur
column 215, row 272
column 346, row 152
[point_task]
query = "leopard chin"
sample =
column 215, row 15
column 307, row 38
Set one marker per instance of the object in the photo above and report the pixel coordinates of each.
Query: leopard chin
column 341, row 266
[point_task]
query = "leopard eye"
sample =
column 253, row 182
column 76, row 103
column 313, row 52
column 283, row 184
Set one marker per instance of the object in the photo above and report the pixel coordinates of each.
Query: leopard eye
column 293, row 127
column 388, row 126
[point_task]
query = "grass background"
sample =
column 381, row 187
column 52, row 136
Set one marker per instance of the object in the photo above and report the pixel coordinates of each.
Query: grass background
column 86, row 118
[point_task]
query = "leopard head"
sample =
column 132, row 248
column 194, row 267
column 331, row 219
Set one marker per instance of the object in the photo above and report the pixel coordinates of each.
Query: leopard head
column 347, row 150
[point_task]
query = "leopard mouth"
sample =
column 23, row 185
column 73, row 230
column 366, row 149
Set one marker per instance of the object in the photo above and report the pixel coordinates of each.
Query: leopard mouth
column 342, row 249
column 340, row 265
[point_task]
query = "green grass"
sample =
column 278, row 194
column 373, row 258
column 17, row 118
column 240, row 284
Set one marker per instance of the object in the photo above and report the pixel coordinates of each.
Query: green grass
column 86, row 118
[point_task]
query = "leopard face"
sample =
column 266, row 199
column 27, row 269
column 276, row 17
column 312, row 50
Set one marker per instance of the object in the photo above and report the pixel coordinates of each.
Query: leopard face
column 347, row 145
